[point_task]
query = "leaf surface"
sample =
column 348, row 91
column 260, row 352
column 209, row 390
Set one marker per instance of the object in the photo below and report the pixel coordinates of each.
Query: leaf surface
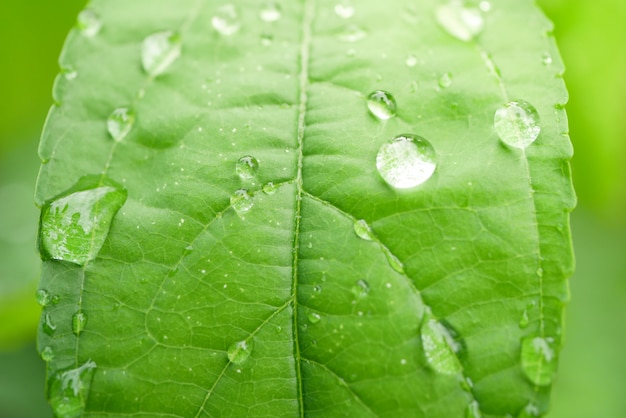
column 296, row 281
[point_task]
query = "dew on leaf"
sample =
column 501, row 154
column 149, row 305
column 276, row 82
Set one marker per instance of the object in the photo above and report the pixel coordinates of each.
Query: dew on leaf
column 382, row 104
column 270, row 188
column 517, row 124
column 89, row 23
column 79, row 320
column 74, row 226
column 344, row 9
column 361, row 288
column 460, row 21
column 440, row 347
column 43, row 297
column 411, row 60
column 539, row 359
column 47, row 354
column 529, row 411
column 352, row 33
column 314, row 317
column 48, row 326
column 363, row 230
column 445, row 80
column 120, row 122
column 69, row 389
column 239, row 352
column 241, row 201
column 524, row 319
column 69, row 73
column 226, row 20
column 546, row 58
column 159, row 51
column 406, row 161
column 247, row 167
column 270, row 12
column 393, row 262
column 473, row 410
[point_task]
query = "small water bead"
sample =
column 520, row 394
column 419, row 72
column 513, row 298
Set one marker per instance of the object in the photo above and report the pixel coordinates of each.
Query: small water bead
column 517, row 124
column 47, row 354
column 539, row 359
column 382, row 104
column 529, row 411
column 406, row 161
column 344, row 10
column 464, row 23
column 440, row 347
column 120, row 122
column 473, row 410
column 48, row 326
column 247, row 167
column 239, row 352
column 43, row 297
column 226, row 20
column 69, row 73
column 546, row 58
column 271, row 12
column 75, row 225
column 69, row 390
column 524, row 319
column 411, row 60
column 79, row 320
column 89, row 23
column 352, row 33
column 445, row 80
column 314, row 317
column 159, row 51
column 270, row 188
column 363, row 230
column 361, row 288
column 241, row 201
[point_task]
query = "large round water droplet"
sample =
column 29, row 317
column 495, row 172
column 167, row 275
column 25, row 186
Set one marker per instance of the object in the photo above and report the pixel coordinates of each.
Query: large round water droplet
column 382, row 104
column 247, row 167
column 344, row 10
column 462, row 22
column 79, row 320
column 440, row 347
column 517, row 123
column 75, row 225
column 411, row 60
column 539, row 359
column 43, row 297
column 393, row 261
column 226, row 20
column 271, row 12
column 241, row 201
column 159, row 51
column 69, row 390
column 407, row 161
column 120, row 122
column 240, row 351
column 363, row 230
column 89, row 23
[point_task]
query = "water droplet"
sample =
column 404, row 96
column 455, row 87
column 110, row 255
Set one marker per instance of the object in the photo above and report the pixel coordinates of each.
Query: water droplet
column 445, row 80
column 344, row 10
column 539, row 359
column 393, row 261
column 440, row 347
column 241, row 201
column 529, row 411
column 270, row 188
column 247, row 167
column 48, row 326
column 89, row 23
column 159, row 51
column 74, row 225
column 352, row 33
column 462, row 22
column 473, row 410
column 546, row 58
column 226, row 20
column 271, row 12
column 517, row 123
column 382, row 104
column 240, row 351
column 120, row 122
column 361, row 288
column 69, row 389
column 79, row 320
column 524, row 320
column 411, row 60
column 317, row 288
column 47, row 354
column 363, row 230
column 69, row 73
column 406, row 161
column 314, row 317
column 43, row 297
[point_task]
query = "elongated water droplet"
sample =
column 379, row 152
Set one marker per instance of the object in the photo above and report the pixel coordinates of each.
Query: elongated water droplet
column 270, row 188
column 43, row 297
column 75, row 224
column 89, row 23
column 393, row 261
column 462, row 22
column 406, row 161
column 382, row 104
column 363, row 230
column 159, row 51
column 361, row 288
column 517, row 124
column 48, row 326
column 314, row 317
column 120, row 122
column 47, row 354
column 473, row 410
column 440, row 347
column 79, row 320
column 240, row 351
column 344, row 9
column 445, row 80
column 539, row 359
column 247, row 167
column 352, row 33
column 524, row 319
column 226, row 20
column 241, row 201
column 69, row 390
column 271, row 12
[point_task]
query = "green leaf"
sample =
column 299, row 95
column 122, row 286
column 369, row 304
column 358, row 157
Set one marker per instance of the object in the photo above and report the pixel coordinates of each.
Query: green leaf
column 321, row 217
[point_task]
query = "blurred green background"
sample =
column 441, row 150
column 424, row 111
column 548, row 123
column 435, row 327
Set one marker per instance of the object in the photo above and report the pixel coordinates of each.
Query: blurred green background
column 591, row 35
